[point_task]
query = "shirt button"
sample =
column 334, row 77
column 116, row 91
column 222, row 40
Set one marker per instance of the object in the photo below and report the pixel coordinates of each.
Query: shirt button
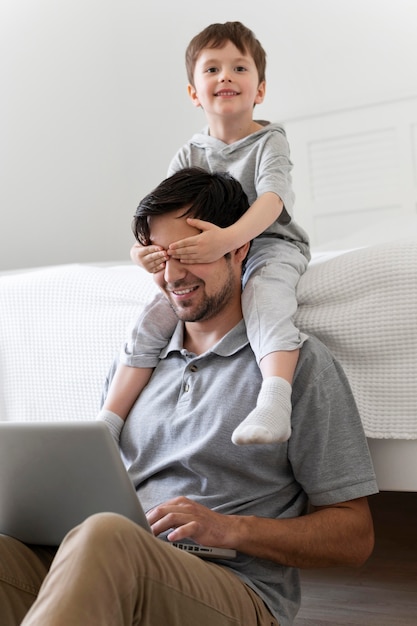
column 186, row 387
column 193, row 368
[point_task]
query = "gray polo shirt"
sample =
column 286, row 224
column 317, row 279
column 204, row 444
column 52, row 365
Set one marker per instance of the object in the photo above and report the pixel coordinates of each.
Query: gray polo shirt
column 176, row 441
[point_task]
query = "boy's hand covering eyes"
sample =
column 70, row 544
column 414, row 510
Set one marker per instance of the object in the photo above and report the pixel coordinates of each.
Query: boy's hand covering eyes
column 151, row 258
column 206, row 247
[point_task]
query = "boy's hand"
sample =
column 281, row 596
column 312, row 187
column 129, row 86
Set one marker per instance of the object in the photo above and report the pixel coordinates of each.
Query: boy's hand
column 208, row 246
column 151, row 258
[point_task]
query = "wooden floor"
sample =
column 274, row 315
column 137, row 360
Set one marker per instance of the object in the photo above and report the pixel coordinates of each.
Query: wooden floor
column 381, row 593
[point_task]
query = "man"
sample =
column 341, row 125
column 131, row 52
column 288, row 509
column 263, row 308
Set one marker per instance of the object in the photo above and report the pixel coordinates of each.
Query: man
column 194, row 483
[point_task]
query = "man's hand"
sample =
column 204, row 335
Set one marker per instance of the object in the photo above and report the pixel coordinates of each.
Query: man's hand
column 210, row 245
column 151, row 258
column 190, row 520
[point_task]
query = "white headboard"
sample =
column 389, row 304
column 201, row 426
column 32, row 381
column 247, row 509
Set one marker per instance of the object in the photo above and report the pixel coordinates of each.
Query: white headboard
column 354, row 168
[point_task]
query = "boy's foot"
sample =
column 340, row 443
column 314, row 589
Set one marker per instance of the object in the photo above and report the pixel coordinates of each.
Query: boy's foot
column 270, row 420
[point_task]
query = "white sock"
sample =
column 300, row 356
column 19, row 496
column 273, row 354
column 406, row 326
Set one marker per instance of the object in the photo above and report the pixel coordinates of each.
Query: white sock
column 270, row 420
column 113, row 421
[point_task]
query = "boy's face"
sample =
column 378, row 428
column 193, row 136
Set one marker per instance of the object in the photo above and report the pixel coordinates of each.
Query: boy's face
column 226, row 82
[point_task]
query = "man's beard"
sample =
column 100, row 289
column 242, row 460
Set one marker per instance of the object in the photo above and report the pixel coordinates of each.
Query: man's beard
column 209, row 306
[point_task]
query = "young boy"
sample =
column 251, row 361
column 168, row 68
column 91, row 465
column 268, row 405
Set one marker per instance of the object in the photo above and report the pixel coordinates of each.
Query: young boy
column 226, row 72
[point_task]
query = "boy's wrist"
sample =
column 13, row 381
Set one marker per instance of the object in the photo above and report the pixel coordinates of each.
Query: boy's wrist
column 232, row 237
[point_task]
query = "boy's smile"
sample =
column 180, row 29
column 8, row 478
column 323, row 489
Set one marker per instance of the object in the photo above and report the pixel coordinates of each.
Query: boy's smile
column 226, row 93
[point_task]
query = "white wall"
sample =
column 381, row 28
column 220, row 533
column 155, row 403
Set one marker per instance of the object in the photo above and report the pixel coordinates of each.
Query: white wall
column 94, row 101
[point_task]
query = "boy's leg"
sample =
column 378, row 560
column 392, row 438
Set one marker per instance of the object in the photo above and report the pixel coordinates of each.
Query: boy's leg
column 127, row 384
column 22, row 571
column 139, row 356
column 151, row 333
column 109, row 571
column 269, row 304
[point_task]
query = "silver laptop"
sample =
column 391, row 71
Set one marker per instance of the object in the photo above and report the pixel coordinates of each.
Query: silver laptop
column 53, row 475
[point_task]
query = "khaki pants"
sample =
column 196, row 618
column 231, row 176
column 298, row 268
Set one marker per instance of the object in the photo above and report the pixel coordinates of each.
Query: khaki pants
column 108, row 571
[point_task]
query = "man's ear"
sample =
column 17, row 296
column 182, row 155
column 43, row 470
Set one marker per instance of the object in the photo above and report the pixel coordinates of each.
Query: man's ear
column 242, row 252
column 193, row 95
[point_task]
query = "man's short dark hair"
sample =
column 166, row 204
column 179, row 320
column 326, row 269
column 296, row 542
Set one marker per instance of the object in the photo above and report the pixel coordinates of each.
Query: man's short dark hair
column 213, row 197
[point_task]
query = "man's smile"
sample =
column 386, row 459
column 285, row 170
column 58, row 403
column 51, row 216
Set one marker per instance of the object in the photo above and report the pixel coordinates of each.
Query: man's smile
column 184, row 291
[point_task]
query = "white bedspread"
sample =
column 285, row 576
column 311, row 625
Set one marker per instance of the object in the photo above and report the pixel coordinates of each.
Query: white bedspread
column 363, row 305
column 61, row 326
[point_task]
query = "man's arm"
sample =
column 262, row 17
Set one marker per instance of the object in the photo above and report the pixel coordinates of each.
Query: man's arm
column 340, row 534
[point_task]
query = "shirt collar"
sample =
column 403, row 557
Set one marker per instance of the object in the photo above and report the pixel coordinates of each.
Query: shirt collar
column 232, row 342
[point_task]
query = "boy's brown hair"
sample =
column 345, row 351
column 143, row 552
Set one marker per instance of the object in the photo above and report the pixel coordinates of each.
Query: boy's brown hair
column 216, row 36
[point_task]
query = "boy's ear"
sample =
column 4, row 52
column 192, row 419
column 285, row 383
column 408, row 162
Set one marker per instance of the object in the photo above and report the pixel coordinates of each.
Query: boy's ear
column 193, row 95
column 260, row 95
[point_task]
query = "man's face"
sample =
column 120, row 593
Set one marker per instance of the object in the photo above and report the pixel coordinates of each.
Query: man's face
column 196, row 292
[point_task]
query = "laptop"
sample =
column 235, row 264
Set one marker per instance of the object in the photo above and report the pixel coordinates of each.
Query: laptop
column 53, row 475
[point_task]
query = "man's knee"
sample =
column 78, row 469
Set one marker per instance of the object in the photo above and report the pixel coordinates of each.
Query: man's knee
column 109, row 548
column 104, row 529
